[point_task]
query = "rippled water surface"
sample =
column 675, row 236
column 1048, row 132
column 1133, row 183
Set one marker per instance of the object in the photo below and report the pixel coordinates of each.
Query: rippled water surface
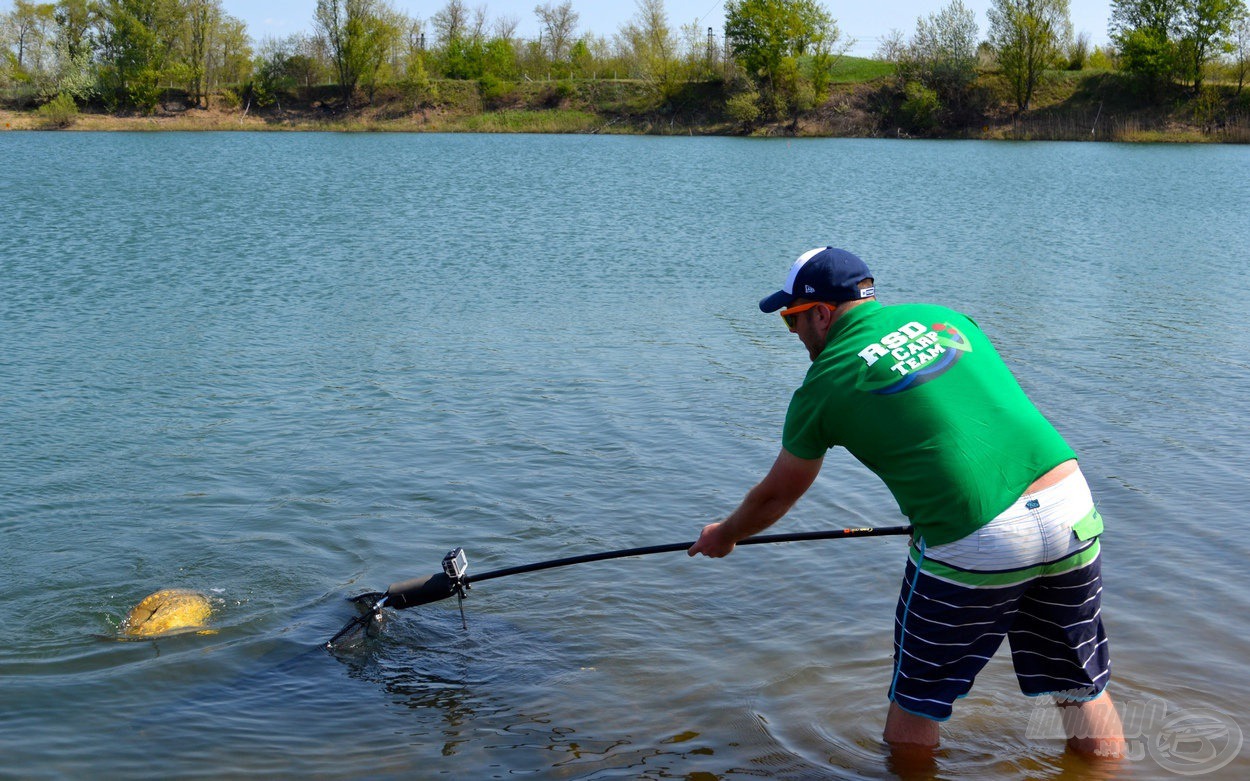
column 283, row 369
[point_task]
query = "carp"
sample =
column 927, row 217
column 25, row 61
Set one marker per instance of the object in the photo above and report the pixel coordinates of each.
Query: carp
column 169, row 611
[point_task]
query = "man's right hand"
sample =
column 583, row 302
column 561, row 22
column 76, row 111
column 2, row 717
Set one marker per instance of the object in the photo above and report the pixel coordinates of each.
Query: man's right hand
column 789, row 478
column 713, row 542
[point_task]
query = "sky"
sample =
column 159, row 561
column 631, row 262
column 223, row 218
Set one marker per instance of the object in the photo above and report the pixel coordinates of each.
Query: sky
column 867, row 23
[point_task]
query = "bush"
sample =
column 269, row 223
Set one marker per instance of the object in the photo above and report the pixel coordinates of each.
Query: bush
column 920, row 109
column 1151, row 58
column 555, row 95
column 1101, row 59
column 144, row 92
column 495, row 90
column 744, row 108
column 1077, row 54
column 417, row 86
column 1209, row 108
column 61, row 111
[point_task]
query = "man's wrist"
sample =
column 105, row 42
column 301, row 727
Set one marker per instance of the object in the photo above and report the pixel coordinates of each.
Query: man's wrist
column 731, row 529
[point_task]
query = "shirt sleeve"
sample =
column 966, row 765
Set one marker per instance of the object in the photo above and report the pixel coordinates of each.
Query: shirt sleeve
column 807, row 432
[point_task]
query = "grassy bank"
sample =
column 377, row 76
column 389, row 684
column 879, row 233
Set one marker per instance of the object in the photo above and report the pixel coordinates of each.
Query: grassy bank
column 1101, row 106
column 863, row 102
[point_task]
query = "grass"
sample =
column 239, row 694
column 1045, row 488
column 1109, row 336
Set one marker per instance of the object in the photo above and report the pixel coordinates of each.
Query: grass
column 856, row 70
column 527, row 121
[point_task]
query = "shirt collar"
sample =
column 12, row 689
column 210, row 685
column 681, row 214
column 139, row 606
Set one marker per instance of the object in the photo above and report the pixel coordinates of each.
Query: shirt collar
column 852, row 315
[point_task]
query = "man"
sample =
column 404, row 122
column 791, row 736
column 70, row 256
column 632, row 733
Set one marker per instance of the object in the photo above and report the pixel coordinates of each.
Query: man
column 1005, row 540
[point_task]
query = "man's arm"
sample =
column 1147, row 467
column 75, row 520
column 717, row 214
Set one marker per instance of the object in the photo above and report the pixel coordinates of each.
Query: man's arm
column 764, row 504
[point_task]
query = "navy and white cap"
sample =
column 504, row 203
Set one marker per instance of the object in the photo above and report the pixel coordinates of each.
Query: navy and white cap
column 822, row 274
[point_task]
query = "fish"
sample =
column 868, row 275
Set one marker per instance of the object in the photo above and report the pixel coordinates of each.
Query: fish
column 166, row 612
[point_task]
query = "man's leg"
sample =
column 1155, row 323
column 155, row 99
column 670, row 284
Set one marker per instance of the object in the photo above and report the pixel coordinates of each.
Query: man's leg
column 944, row 633
column 913, row 742
column 1093, row 727
column 908, row 729
column 1059, row 646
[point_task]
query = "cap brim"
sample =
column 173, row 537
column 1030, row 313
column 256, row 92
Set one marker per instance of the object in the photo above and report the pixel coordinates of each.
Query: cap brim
column 778, row 300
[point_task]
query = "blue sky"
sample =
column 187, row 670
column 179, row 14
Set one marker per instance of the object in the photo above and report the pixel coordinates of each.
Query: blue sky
column 865, row 22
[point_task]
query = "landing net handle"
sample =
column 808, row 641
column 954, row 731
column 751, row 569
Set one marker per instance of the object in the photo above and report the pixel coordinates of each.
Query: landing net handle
column 454, row 580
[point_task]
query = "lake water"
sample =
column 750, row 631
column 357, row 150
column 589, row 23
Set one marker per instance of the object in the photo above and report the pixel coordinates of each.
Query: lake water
column 284, row 369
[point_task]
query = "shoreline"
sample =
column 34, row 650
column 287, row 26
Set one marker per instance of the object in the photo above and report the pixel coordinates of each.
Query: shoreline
column 563, row 123
column 1076, row 108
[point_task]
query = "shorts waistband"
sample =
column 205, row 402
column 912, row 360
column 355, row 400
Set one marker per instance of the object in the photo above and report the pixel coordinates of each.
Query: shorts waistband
column 1038, row 530
column 1073, row 482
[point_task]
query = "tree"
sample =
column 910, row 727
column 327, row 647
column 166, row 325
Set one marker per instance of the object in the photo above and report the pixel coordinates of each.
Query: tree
column 942, row 54
column 460, row 41
column 558, row 22
column 75, row 47
column 580, row 58
column 648, row 43
column 201, row 23
column 477, row 24
column 1204, row 28
column 893, row 47
column 1143, row 32
column 135, row 46
column 935, row 69
column 700, row 52
column 499, row 59
column 1163, row 40
column 75, row 20
column 230, row 56
column 505, row 29
column 767, row 37
column 1241, row 50
column 359, row 35
column 825, row 50
column 31, row 29
column 450, row 24
column 383, row 29
column 272, row 72
column 307, row 61
column 1027, row 36
column 1078, row 51
column 18, row 27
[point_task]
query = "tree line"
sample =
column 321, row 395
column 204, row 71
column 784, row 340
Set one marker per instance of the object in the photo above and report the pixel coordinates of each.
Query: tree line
column 1154, row 43
column 127, row 53
column 774, row 57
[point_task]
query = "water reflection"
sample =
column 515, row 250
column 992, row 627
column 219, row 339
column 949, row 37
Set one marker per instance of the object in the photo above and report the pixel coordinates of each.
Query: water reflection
column 459, row 681
column 498, row 694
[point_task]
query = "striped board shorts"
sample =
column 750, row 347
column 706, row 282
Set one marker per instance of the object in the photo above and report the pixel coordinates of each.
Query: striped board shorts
column 1032, row 575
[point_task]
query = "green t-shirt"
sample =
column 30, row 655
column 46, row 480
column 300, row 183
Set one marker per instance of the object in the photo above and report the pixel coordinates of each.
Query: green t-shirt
column 919, row 395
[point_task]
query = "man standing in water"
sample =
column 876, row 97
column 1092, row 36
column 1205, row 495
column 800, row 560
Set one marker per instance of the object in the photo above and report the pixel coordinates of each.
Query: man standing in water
column 1005, row 539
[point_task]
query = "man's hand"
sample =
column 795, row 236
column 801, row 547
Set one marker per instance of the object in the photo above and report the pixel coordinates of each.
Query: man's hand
column 713, row 542
column 789, row 478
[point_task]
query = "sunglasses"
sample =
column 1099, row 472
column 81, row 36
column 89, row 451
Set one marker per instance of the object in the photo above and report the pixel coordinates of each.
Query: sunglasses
column 791, row 315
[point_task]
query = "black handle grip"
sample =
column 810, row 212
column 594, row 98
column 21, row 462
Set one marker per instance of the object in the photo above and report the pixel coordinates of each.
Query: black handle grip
column 419, row 591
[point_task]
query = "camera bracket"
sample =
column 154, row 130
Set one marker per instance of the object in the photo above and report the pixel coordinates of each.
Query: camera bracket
column 455, row 565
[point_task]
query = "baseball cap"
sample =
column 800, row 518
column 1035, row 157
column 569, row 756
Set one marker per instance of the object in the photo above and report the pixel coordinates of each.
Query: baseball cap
column 822, row 274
